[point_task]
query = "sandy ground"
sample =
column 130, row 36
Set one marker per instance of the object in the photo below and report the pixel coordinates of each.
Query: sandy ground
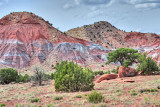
column 117, row 92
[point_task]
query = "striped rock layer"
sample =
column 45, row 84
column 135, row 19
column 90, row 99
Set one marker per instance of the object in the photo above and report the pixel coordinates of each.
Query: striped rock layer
column 26, row 39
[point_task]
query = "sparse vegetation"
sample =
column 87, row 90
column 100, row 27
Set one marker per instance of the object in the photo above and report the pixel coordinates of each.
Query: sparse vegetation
column 78, row 96
column 99, row 72
column 133, row 92
column 95, row 97
column 148, row 90
column 71, row 77
column 35, row 100
column 58, row 98
column 39, row 75
column 115, row 71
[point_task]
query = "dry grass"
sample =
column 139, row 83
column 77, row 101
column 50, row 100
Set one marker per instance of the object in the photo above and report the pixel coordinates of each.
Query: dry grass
column 116, row 93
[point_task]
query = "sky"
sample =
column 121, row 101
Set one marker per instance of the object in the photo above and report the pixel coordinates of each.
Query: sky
column 128, row 15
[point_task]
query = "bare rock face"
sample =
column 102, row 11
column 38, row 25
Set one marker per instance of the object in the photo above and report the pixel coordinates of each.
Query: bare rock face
column 126, row 72
column 26, row 39
column 23, row 37
column 106, row 77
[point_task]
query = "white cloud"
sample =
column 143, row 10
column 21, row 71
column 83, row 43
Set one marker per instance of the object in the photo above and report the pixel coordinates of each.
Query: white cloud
column 144, row 4
column 147, row 5
column 71, row 4
column 91, row 3
column 94, row 14
column 134, row 1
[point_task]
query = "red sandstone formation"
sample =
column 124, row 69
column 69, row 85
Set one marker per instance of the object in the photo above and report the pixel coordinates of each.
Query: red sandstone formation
column 126, row 72
column 26, row 39
column 106, row 77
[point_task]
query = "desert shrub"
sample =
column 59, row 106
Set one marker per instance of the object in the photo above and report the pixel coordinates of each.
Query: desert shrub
column 78, row 96
column 115, row 71
column 8, row 75
column 147, row 65
column 133, row 93
column 108, row 72
column 99, row 72
column 58, row 98
column 35, row 100
column 50, row 105
column 39, row 75
column 25, row 78
column 52, row 76
column 3, row 105
column 148, row 90
column 71, row 77
column 95, row 97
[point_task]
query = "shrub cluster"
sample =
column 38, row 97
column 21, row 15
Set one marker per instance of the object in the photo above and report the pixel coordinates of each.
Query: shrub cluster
column 147, row 65
column 35, row 100
column 99, row 72
column 9, row 75
column 148, row 90
column 71, row 77
column 95, row 97
column 133, row 92
column 25, row 78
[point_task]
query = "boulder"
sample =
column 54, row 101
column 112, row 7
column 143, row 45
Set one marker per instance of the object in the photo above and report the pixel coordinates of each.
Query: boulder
column 126, row 72
column 106, row 77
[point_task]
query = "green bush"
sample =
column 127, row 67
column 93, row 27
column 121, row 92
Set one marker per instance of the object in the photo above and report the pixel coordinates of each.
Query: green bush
column 115, row 71
column 78, row 96
column 8, row 75
column 148, row 90
column 3, row 105
column 99, row 72
column 71, row 77
column 147, row 65
column 25, row 78
column 133, row 93
column 58, row 98
column 108, row 72
column 35, row 100
column 95, row 97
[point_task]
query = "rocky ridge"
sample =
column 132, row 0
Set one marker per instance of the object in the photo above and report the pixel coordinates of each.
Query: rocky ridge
column 27, row 39
column 108, row 36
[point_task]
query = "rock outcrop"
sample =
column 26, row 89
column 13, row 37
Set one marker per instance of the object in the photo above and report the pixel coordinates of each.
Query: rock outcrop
column 108, row 36
column 26, row 39
column 126, row 72
column 106, row 77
